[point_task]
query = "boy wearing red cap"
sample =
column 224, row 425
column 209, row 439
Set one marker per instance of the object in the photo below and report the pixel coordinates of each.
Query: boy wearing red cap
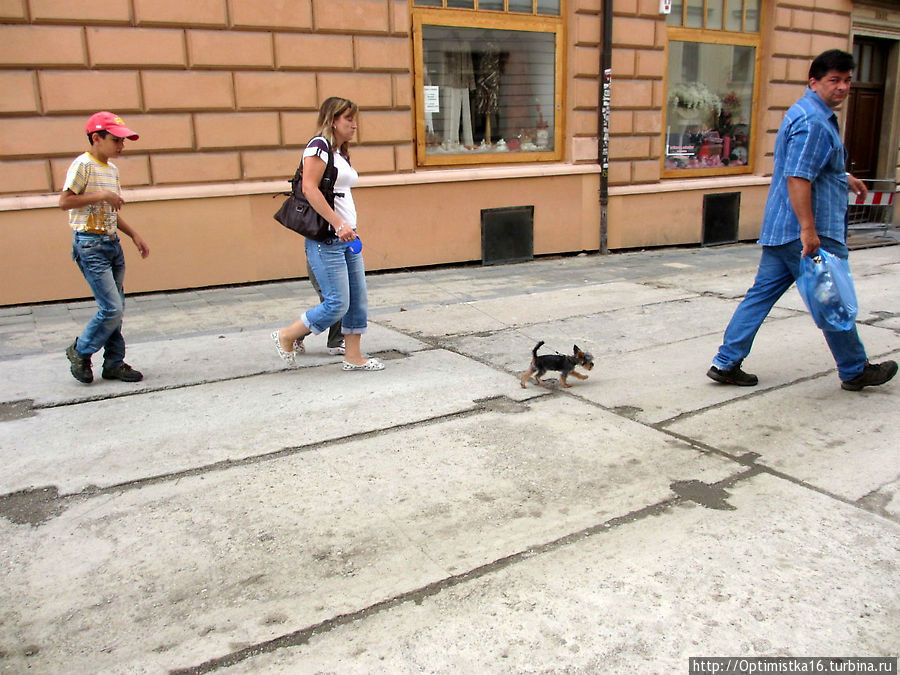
column 92, row 196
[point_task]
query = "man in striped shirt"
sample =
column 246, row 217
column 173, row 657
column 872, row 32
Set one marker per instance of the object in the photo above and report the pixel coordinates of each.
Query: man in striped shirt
column 92, row 196
column 805, row 211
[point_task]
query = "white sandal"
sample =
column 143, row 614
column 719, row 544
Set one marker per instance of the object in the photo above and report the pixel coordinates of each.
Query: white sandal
column 371, row 364
column 299, row 348
column 287, row 357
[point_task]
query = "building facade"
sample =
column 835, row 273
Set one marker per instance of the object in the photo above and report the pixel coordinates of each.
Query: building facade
column 481, row 128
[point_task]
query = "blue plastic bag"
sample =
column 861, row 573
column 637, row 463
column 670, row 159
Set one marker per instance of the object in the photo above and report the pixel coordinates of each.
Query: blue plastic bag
column 826, row 286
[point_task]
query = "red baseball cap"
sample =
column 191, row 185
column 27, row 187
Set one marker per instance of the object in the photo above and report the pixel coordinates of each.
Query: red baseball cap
column 107, row 121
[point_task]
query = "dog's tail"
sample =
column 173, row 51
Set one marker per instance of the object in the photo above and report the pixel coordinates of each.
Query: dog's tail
column 536, row 347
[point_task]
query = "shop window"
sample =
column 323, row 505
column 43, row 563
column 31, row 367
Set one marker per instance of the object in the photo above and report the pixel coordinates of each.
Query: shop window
column 488, row 81
column 713, row 55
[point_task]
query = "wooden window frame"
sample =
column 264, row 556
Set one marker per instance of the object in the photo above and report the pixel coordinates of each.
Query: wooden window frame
column 496, row 20
column 718, row 37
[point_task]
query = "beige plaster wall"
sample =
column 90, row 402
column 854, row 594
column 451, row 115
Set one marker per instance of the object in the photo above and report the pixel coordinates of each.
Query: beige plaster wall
column 226, row 240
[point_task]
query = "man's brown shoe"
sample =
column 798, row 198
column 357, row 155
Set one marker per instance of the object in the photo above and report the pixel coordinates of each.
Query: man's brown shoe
column 872, row 375
column 80, row 366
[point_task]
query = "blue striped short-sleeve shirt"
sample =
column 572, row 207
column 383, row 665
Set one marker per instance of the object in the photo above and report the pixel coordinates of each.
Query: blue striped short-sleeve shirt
column 808, row 146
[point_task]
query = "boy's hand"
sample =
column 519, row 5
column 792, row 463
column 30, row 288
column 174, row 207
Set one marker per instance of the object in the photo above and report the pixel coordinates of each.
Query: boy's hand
column 113, row 199
column 141, row 245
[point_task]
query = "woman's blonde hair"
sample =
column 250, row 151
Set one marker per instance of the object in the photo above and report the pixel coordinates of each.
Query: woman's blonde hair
column 331, row 109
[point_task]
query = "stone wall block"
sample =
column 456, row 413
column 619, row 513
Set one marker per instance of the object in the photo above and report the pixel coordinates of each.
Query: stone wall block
column 313, row 52
column 629, row 147
column 801, row 19
column 43, row 137
column 798, row 70
column 789, row 43
column 181, row 12
column 400, row 18
column 107, row 11
column 783, row 96
column 372, row 159
column 298, row 128
column 363, row 16
column 230, row 49
column 385, row 126
column 275, row 14
column 588, row 29
column 187, row 91
column 382, row 53
column 586, row 95
column 134, row 170
column 28, row 176
column 281, row 90
column 619, row 172
column 18, row 92
column 631, row 93
column 131, row 47
column 585, row 149
column 623, row 62
column 586, row 61
column 648, row 122
column 650, row 63
column 270, row 165
column 821, row 43
column 89, row 91
column 402, row 91
column 13, row 10
column 645, row 171
column 405, row 158
column 42, row 46
column 161, row 132
column 583, row 123
column 366, row 90
column 838, row 24
column 621, row 122
column 237, row 130
column 208, row 167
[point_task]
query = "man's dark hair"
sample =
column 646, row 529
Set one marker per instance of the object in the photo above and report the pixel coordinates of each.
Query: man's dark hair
column 833, row 59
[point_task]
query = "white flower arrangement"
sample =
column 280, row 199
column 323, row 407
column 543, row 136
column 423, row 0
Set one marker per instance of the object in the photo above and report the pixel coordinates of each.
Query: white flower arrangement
column 695, row 96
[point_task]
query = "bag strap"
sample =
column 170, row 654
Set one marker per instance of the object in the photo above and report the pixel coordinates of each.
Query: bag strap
column 298, row 174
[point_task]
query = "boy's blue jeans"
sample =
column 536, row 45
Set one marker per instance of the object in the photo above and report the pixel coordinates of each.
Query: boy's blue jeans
column 779, row 267
column 342, row 279
column 102, row 262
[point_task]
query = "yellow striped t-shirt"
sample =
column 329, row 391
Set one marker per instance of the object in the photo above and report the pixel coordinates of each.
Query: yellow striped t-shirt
column 89, row 174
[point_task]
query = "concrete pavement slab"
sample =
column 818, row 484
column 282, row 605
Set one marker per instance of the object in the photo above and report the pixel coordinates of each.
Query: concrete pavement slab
column 663, row 382
column 525, row 309
column 846, row 443
column 176, row 362
column 194, row 567
column 112, row 441
column 607, row 335
column 771, row 577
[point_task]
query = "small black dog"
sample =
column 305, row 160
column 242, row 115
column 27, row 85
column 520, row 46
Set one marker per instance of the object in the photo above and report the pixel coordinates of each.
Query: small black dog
column 564, row 364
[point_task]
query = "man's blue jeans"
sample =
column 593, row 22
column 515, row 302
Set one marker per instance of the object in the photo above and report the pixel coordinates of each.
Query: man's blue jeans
column 342, row 278
column 102, row 262
column 779, row 268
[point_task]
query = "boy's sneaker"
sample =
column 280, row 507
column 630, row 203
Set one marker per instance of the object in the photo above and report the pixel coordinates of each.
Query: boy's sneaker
column 81, row 367
column 124, row 372
column 733, row 375
column 340, row 349
column 872, row 375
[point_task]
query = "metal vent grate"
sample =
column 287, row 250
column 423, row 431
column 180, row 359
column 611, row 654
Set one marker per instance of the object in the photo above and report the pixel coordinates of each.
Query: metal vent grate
column 507, row 235
column 721, row 213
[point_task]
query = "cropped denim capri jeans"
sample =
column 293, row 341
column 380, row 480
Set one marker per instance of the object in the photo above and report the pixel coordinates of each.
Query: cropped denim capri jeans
column 342, row 277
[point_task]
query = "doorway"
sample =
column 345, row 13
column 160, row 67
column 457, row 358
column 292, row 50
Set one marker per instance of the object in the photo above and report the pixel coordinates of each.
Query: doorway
column 865, row 105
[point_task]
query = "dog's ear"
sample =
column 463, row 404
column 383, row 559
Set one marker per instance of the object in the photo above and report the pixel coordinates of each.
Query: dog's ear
column 575, row 347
